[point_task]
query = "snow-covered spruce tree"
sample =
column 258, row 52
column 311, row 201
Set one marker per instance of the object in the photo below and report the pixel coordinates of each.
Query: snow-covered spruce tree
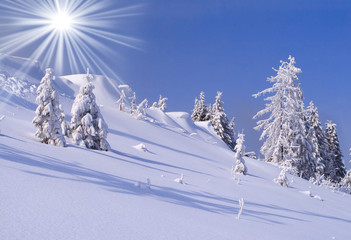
column 240, row 166
column 88, row 126
column 286, row 142
column 47, row 119
column 220, row 122
column 319, row 141
column 335, row 169
column 201, row 111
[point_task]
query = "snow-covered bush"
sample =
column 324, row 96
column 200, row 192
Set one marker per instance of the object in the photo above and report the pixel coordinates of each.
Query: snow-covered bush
column 240, row 166
column 141, row 109
column 47, row 119
column 161, row 104
column 282, row 179
column 346, row 181
column 241, row 207
column 120, row 101
column 180, row 179
column 87, row 124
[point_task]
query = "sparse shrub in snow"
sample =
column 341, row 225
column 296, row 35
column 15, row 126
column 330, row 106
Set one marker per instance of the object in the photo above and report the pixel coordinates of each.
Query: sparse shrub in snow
column 220, row 123
column 240, row 166
column 318, row 197
column 180, row 179
column 120, row 101
column 286, row 140
column 251, row 155
column 142, row 185
column 88, row 126
column 201, row 111
column 161, row 104
column 241, row 207
column 141, row 109
column 282, row 179
column 335, row 169
column 133, row 104
column 47, row 119
column 346, row 181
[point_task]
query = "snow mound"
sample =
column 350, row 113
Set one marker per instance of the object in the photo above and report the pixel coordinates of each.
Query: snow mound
column 18, row 87
column 143, row 185
column 106, row 90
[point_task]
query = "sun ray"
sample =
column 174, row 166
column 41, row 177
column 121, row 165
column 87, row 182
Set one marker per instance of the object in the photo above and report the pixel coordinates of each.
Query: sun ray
column 66, row 35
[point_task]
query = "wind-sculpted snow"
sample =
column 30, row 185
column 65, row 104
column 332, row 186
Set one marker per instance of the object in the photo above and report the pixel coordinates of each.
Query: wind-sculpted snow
column 48, row 192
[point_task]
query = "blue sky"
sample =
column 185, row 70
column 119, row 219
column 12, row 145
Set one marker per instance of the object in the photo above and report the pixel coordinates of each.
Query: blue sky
column 231, row 46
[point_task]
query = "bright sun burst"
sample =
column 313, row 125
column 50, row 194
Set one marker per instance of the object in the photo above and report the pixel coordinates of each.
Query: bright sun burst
column 67, row 35
column 61, row 21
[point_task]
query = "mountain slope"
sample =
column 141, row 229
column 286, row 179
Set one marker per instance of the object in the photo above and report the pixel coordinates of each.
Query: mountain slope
column 49, row 192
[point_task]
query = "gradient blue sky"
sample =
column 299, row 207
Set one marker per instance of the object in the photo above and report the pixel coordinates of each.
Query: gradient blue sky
column 231, row 46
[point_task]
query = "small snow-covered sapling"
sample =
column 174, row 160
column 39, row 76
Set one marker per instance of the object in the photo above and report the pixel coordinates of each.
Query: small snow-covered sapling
column 180, row 179
column 241, row 206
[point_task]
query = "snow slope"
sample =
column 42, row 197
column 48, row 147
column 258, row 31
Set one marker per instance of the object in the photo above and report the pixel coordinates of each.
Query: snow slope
column 48, row 192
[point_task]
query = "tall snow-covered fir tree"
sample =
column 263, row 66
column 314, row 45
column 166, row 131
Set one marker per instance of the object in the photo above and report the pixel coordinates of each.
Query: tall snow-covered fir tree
column 220, row 122
column 201, row 111
column 88, row 126
column 319, row 141
column 47, row 119
column 335, row 169
column 286, row 140
column 240, row 166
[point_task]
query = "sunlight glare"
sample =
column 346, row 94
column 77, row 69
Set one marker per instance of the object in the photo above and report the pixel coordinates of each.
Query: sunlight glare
column 61, row 22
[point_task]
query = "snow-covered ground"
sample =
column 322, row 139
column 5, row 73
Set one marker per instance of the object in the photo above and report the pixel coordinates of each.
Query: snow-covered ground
column 49, row 192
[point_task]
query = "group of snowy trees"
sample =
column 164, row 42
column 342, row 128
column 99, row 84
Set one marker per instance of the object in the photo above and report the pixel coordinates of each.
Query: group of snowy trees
column 87, row 127
column 138, row 110
column 217, row 116
column 294, row 137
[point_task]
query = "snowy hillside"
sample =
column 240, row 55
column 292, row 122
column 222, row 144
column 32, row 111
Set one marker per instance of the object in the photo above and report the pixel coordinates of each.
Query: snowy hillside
column 49, row 192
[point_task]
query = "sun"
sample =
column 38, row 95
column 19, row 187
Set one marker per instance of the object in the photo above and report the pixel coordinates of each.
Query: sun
column 61, row 22
column 68, row 35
